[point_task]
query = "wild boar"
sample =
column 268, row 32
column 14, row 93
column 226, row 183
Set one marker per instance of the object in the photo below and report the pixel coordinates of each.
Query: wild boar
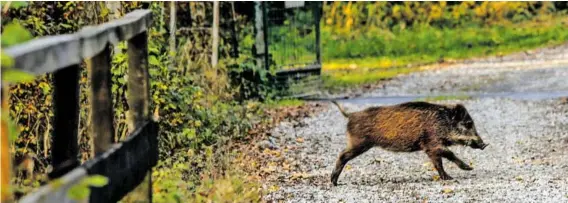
column 410, row 127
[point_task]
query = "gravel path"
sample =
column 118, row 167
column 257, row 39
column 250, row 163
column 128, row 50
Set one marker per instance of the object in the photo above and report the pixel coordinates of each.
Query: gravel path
column 527, row 160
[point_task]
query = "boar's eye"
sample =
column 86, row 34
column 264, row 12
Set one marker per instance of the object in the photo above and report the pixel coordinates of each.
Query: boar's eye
column 468, row 124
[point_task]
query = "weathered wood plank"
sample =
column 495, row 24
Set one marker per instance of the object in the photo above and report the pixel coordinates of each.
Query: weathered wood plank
column 57, row 192
column 46, row 54
column 95, row 38
column 65, row 148
column 51, row 53
column 101, row 101
column 314, row 68
column 126, row 164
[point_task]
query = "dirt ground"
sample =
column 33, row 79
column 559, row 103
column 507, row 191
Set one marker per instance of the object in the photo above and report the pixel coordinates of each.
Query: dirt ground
column 517, row 107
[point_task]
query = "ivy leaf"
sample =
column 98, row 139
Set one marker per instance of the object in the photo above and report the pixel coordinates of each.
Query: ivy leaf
column 153, row 61
column 16, row 76
column 18, row 4
column 66, row 25
column 13, row 131
column 15, row 33
column 96, row 180
column 79, row 192
column 6, row 60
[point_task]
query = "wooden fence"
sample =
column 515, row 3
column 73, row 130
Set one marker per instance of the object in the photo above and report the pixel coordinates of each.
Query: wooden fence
column 125, row 164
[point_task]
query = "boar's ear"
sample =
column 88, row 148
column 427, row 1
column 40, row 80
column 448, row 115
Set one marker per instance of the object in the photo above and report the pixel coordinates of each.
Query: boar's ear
column 459, row 112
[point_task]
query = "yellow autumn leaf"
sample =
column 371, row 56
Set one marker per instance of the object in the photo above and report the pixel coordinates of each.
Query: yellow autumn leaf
column 273, row 188
column 297, row 176
column 436, row 177
column 447, row 190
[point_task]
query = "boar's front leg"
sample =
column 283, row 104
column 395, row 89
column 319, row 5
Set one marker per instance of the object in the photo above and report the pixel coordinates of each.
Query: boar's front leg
column 436, row 158
column 453, row 158
column 354, row 149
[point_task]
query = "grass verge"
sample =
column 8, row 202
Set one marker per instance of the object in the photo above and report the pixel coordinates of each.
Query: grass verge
column 351, row 62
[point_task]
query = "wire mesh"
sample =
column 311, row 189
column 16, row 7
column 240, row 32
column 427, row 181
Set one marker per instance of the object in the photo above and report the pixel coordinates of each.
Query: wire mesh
column 292, row 39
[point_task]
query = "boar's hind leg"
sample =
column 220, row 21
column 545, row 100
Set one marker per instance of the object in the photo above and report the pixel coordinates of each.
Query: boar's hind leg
column 436, row 158
column 453, row 158
column 346, row 155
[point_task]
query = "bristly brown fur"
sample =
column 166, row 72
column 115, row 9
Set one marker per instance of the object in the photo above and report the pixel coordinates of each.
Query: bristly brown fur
column 410, row 127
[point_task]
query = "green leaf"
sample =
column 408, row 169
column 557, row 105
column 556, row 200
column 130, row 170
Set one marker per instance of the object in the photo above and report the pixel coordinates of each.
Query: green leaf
column 16, row 76
column 79, row 192
column 154, row 61
column 65, row 25
column 96, row 180
column 18, row 4
column 15, row 33
column 13, row 131
column 6, row 60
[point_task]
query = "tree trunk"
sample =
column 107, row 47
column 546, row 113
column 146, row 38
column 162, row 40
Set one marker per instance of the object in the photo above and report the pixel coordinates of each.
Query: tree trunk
column 172, row 34
column 215, row 34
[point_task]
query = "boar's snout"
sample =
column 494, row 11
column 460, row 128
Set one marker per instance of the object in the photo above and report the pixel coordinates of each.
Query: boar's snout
column 482, row 146
column 479, row 145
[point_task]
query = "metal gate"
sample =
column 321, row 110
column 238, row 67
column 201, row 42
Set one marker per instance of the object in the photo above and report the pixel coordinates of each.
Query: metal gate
column 288, row 44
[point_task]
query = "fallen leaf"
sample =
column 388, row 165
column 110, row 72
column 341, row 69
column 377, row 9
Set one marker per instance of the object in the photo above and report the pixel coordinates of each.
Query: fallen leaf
column 447, row 190
column 300, row 140
column 436, row 177
column 348, row 167
column 273, row 188
column 297, row 176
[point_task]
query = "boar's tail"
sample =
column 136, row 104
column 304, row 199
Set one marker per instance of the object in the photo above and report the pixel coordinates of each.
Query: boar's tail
column 340, row 109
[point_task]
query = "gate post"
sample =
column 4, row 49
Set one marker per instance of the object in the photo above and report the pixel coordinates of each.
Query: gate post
column 260, row 50
column 317, row 19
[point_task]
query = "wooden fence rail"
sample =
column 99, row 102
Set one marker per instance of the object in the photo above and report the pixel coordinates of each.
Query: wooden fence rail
column 127, row 163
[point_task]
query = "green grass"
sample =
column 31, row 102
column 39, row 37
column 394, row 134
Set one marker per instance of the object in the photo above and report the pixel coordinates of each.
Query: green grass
column 285, row 103
column 367, row 56
column 342, row 78
column 379, row 48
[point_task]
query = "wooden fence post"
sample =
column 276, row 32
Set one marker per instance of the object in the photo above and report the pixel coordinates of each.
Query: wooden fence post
column 101, row 101
column 139, row 100
column 65, row 148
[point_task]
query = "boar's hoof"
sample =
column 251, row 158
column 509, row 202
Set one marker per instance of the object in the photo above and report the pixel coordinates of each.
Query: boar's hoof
column 446, row 177
column 466, row 167
column 334, row 181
